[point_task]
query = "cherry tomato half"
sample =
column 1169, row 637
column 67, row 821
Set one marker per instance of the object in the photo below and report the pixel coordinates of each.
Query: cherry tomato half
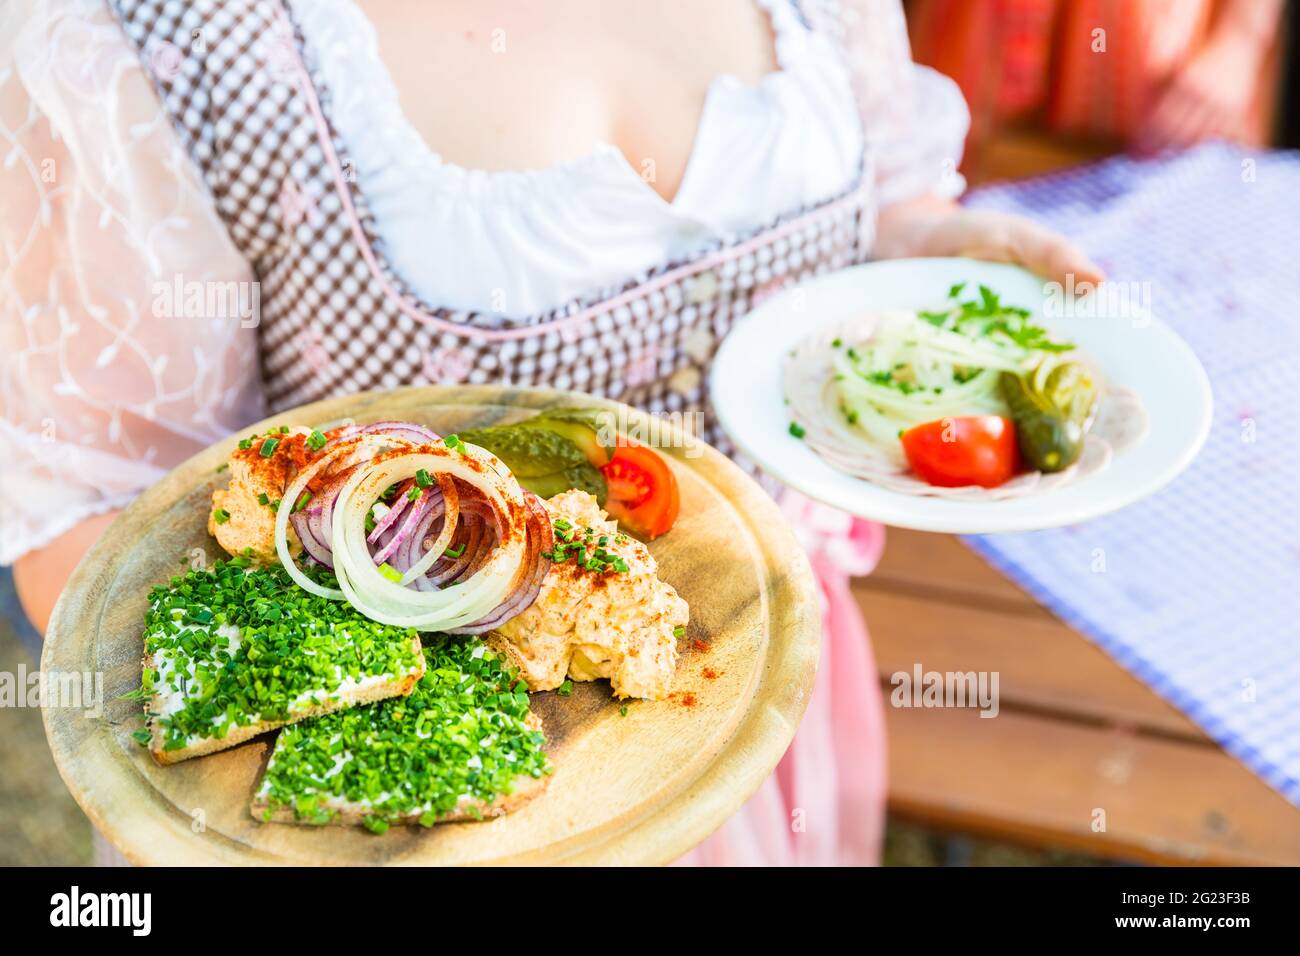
column 952, row 452
column 643, row 493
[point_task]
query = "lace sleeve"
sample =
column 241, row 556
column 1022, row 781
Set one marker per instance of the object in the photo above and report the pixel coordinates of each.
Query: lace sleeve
column 128, row 318
column 914, row 118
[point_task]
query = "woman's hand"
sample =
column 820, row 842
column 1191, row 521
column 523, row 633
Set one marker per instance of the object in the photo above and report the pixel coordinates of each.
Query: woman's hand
column 1212, row 95
column 934, row 227
column 1209, row 98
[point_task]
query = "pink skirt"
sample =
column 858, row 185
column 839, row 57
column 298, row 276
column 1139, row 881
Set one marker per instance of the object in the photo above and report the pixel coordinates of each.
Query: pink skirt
column 825, row 803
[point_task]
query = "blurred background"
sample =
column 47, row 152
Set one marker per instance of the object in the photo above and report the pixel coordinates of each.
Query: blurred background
column 1054, row 83
column 1051, row 84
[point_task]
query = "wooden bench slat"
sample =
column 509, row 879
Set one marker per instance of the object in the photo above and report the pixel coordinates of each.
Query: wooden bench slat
column 941, row 564
column 1037, row 780
column 1041, row 663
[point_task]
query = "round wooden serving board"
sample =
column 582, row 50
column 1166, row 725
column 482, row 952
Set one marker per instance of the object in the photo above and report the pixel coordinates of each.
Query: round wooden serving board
column 636, row 789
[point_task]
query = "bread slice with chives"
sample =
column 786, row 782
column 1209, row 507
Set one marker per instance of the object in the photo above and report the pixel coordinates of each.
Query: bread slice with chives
column 463, row 745
column 235, row 652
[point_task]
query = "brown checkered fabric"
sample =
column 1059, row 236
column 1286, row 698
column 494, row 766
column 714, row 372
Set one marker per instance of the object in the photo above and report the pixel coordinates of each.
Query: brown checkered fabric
column 238, row 82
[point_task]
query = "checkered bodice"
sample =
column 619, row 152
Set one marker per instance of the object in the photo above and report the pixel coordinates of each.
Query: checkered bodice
column 237, row 80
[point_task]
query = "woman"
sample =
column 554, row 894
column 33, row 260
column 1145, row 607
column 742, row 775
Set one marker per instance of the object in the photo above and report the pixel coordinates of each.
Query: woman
column 583, row 194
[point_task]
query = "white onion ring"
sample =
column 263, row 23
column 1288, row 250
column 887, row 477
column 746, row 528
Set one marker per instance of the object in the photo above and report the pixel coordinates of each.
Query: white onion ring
column 503, row 531
column 291, row 494
column 495, row 582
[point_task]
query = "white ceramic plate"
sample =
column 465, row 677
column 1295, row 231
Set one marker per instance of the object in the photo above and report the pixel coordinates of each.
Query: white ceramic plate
column 1129, row 345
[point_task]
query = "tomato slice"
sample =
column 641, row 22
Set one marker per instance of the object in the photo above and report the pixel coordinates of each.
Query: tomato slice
column 952, row 452
column 643, row 493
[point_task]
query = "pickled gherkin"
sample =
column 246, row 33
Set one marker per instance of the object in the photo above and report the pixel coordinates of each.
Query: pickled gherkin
column 1052, row 406
column 546, row 455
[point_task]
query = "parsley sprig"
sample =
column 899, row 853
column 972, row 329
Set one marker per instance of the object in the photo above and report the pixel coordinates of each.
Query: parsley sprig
column 987, row 315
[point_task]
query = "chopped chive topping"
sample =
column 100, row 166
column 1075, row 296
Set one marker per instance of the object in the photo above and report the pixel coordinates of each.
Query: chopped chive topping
column 317, row 440
column 288, row 649
column 588, row 551
column 423, row 478
column 458, row 741
column 264, row 499
column 565, row 689
column 797, row 430
column 221, row 515
column 245, row 444
column 268, row 447
column 301, row 502
column 414, row 494
column 284, row 429
column 622, row 711
column 679, row 632
column 454, row 552
column 453, row 442
column 836, row 342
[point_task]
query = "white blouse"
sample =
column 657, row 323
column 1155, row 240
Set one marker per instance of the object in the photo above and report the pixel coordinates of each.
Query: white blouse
column 462, row 237
column 99, row 204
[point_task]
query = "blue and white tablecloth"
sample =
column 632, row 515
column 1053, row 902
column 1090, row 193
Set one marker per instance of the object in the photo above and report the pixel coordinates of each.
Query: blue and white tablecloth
column 1198, row 589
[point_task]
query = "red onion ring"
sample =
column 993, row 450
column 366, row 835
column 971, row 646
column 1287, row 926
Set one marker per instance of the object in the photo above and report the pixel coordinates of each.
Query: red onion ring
column 309, row 523
column 541, row 538
column 407, row 431
column 312, row 543
column 394, row 512
column 408, row 535
column 422, row 507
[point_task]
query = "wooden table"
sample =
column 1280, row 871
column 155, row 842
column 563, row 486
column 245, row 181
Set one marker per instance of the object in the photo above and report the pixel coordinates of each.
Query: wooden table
column 1075, row 732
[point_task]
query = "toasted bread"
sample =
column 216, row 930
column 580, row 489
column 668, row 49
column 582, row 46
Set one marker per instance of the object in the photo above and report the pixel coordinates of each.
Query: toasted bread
column 526, row 788
column 353, row 697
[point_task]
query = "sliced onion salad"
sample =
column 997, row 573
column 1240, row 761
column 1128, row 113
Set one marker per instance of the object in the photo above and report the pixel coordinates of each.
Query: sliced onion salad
column 459, row 548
